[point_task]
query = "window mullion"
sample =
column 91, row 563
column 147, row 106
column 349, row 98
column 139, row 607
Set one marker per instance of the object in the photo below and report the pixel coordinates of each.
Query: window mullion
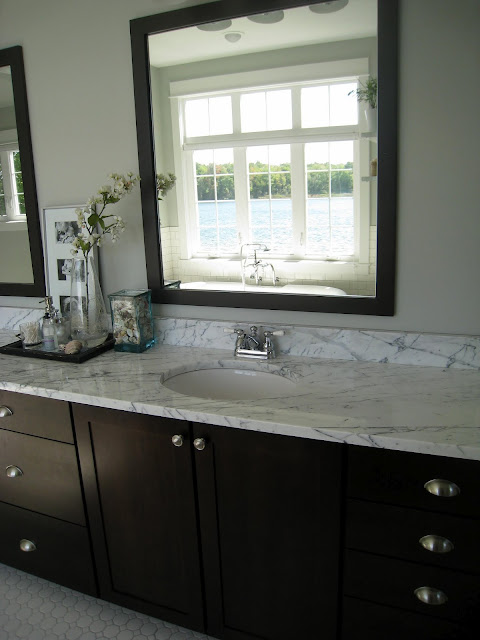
column 236, row 114
column 299, row 198
column 242, row 192
column 361, row 191
column 191, row 229
column 8, row 185
column 240, row 177
column 296, row 108
column 329, row 196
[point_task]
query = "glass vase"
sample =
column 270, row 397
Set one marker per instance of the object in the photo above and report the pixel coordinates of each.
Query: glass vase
column 89, row 320
column 132, row 320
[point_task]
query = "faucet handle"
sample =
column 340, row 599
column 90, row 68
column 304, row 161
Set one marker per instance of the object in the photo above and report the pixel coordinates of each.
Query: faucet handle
column 239, row 332
column 277, row 332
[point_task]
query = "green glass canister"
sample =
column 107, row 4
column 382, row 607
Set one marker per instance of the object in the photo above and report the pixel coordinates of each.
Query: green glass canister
column 132, row 320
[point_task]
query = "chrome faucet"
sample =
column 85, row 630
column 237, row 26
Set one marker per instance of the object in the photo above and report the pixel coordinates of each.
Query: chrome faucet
column 247, row 345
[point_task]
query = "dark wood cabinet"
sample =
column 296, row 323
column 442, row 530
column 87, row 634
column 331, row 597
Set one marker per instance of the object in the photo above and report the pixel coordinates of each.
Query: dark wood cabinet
column 364, row 619
column 269, row 510
column 242, row 535
column 140, row 498
column 60, row 551
column 233, row 532
column 42, row 510
column 404, row 541
column 48, row 480
column 42, row 417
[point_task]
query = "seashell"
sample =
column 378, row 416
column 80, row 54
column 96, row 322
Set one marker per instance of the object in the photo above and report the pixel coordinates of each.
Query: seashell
column 72, row 347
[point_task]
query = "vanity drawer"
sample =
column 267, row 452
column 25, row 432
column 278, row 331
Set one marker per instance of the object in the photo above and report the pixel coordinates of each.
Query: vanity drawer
column 393, row 582
column 396, row 531
column 41, row 475
column 396, row 477
column 369, row 620
column 36, row 416
column 61, row 551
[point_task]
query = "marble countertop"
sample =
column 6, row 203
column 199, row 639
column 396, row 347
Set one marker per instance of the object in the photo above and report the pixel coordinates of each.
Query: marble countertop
column 411, row 408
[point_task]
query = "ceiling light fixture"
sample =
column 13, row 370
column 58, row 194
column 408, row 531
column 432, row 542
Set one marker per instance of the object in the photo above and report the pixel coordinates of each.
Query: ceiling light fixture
column 328, row 7
column 267, row 18
column 233, row 36
column 215, row 26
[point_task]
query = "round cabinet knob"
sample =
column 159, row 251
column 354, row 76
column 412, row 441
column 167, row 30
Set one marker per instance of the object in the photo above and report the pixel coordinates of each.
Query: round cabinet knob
column 199, row 444
column 429, row 595
column 5, row 411
column 442, row 488
column 27, row 545
column 177, row 440
column 13, row 472
column 436, row 544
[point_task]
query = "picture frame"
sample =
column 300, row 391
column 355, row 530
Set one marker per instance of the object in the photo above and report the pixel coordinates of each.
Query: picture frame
column 59, row 228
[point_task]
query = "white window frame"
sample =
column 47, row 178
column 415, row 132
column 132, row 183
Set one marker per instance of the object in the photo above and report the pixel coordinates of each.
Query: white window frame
column 7, row 149
column 234, row 85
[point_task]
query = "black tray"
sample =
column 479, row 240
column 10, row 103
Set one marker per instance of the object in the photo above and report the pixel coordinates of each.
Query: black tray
column 16, row 349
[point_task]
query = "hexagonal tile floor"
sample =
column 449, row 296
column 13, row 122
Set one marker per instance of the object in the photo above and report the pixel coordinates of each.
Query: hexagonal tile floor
column 35, row 609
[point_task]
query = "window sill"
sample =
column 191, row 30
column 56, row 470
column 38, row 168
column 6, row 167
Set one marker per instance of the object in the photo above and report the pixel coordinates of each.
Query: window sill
column 13, row 225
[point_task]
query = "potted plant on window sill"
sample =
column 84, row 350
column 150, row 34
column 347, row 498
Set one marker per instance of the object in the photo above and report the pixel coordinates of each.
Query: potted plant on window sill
column 367, row 93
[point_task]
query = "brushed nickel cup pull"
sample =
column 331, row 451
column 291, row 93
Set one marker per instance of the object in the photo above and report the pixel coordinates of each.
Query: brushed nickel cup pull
column 5, row 411
column 177, row 440
column 442, row 488
column 199, row 444
column 27, row 545
column 13, row 472
column 436, row 544
column 429, row 595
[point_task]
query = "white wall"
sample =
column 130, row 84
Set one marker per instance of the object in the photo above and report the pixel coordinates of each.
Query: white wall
column 79, row 82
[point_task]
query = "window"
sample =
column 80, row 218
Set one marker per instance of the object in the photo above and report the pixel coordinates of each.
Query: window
column 277, row 165
column 216, row 207
column 12, row 199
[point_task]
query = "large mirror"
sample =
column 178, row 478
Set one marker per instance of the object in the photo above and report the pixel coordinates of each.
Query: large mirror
column 21, row 255
column 285, row 190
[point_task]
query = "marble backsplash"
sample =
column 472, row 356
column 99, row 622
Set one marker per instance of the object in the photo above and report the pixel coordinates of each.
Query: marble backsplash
column 399, row 347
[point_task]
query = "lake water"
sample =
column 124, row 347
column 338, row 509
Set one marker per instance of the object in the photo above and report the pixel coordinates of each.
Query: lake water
column 330, row 229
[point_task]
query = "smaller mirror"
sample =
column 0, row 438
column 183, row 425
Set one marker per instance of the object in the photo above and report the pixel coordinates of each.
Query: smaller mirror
column 21, row 255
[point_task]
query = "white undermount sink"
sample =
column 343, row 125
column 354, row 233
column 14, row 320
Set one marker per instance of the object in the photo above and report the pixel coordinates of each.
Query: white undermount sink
column 230, row 384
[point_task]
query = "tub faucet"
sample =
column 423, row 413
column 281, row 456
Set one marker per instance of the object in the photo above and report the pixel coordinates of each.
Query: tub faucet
column 255, row 264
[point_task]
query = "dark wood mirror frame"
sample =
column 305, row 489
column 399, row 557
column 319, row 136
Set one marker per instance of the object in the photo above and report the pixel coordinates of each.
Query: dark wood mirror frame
column 382, row 304
column 13, row 57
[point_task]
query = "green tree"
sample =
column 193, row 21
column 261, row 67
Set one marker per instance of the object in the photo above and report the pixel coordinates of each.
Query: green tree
column 225, row 188
column 317, row 183
column 205, row 188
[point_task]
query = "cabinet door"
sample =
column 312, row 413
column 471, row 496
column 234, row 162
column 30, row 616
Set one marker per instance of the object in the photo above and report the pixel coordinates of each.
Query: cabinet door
column 269, row 516
column 140, row 502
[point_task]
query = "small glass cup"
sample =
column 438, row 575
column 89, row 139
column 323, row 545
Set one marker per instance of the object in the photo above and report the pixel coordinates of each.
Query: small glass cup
column 30, row 335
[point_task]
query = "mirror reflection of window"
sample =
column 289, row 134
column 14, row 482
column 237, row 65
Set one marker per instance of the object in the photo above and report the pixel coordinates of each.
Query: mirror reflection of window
column 299, row 198
column 216, row 209
column 331, row 201
column 12, row 198
column 271, row 214
column 270, row 148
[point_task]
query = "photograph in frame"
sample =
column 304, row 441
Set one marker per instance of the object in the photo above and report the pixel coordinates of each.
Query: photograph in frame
column 60, row 227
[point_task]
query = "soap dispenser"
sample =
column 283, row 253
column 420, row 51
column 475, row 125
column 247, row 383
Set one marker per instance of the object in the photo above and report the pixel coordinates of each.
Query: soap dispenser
column 49, row 329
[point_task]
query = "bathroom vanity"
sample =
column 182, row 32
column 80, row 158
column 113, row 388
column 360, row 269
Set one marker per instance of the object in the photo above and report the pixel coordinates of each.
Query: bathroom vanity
column 306, row 515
